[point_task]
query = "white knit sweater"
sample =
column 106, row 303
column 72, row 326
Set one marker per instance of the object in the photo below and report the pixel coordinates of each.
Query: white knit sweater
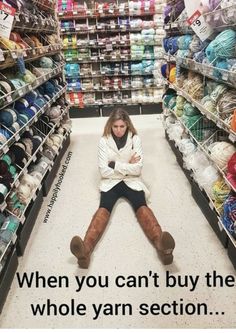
column 129, row 173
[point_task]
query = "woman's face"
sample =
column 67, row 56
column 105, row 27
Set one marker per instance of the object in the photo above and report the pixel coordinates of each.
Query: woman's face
column 119, row 128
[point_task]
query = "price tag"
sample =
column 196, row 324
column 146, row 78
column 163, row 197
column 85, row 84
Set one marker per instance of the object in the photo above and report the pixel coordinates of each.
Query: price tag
column 220, row 225
column 225, row 76
column 232, row 137
column 9, row 98
column 60, row 13
column 14, row 55
column 197, row 22
column 208, row 18
column 17, row 17
column 230, row 12
column 75, row 12
column 109, row 47
column 14, row 238
column 7, row 14
column 5, row 149
column 1, row 55
column 216, row 16
column 20, row 92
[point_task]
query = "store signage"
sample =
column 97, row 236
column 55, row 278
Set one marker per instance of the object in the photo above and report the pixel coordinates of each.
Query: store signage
column 7, row 14
column 197, row 21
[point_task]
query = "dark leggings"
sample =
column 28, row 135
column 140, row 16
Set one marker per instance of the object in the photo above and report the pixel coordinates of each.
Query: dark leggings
column 109, row 198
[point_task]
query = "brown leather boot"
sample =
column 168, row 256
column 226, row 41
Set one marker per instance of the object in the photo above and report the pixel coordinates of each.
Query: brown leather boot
column 162, row 241
column 82, row 249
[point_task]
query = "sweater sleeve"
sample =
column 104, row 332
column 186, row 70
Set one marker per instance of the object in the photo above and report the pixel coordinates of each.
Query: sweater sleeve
column 105, row 170
column 129, row 169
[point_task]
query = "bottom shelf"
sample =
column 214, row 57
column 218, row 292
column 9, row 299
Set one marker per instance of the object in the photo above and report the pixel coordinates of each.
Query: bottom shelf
column 25, row 229
column 179, row 158
column 203, row 202
column 51, row 174
column 86, row 112
column 232, row 252
column 7, row 275
column 105, row 110
column 211, row 215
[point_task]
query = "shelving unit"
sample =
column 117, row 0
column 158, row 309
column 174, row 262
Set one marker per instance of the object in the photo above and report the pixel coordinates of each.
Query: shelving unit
column 111, row 51
column 218, row 127
column 43, row 136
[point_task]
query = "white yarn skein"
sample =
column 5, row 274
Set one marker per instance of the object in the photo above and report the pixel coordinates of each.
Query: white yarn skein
column 206, row 177
column 29, row 181
column 221, row 152
column 23, row 193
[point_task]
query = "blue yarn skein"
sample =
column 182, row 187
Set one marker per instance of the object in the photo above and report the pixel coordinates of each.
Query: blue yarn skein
column 223, row 46
column 173, row 45
column 222, row 64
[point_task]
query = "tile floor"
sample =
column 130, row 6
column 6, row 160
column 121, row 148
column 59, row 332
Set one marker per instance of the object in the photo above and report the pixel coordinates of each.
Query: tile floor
column 123, row 251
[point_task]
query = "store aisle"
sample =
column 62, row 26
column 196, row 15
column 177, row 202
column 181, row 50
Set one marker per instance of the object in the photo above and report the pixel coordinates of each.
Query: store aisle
column 123, row 250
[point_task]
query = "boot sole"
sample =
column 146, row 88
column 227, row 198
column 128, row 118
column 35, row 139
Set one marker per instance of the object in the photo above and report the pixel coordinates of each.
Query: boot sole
column 167, row 247
column 167, row 243
column 77, row 249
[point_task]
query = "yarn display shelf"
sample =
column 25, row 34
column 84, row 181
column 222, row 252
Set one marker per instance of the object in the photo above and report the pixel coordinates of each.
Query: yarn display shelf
column 44, row 6
column 16, row 136
column 105, row 89
column 24, row 171
column 22, row 217
column 222, row 171
column 101, row 74
column 78, row 31
column 111, row 59
column 33, row 158
column 49, row 168
column 215, row 18
column 169, row 57
column 179, row 26
column 12, row 241
column 20, row 28
column 203, row 146
column 101, row 45
column 48, row 50
column 211, row 116
column 228, row 77
column 9, row 98
column 233, row 240
column 72, row 15
column 123, row 102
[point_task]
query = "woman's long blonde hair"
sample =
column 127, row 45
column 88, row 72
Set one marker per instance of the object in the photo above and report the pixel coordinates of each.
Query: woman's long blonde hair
column 119, row 114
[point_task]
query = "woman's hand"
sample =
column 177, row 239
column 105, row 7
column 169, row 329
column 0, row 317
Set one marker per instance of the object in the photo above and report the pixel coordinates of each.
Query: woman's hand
column 134, row 159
